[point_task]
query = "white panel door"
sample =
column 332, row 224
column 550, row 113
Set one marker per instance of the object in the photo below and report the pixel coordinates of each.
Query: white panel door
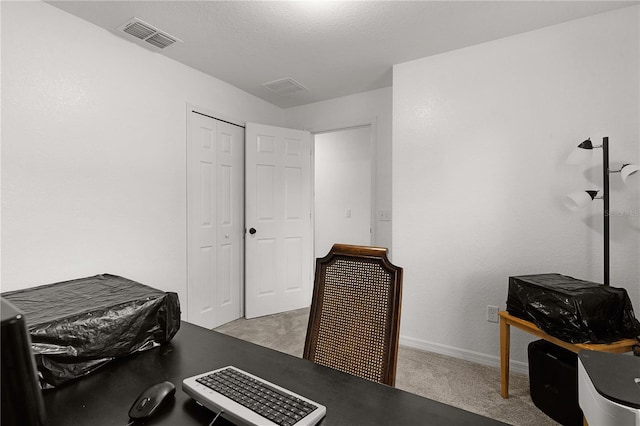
column 230, row 276
column 278, row 242
column 215, row 221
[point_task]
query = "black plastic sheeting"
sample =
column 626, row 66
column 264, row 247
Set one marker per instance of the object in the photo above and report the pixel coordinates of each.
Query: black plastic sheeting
column 573, row 310
column 80, row 325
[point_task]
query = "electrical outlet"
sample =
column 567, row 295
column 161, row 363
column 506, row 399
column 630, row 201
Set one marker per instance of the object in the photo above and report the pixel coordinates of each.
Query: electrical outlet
column 492, row 313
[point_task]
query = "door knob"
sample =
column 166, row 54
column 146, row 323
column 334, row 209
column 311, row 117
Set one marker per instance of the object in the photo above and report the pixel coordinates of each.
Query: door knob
column 252, row 231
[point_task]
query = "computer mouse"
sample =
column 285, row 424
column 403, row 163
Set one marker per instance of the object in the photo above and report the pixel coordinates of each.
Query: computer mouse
column 151, row 399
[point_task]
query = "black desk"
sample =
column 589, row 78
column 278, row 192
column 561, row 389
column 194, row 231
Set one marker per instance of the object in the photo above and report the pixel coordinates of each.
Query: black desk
column 104, row 398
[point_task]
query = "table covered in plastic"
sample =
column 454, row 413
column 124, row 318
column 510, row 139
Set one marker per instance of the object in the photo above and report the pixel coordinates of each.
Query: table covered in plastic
column 573, row 310
column 78, row 326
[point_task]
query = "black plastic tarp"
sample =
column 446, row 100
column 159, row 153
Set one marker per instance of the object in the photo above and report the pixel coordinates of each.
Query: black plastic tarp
column 79, row 325
column 573, row 310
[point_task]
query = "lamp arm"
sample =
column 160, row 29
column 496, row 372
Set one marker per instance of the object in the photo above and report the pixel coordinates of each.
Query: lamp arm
column 621, row 168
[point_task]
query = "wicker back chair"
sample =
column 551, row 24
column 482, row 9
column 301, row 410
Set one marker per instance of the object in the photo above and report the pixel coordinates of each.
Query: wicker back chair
column 354, row 323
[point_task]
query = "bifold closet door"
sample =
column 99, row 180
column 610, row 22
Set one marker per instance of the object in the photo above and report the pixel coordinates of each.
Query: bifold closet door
column 215, row 210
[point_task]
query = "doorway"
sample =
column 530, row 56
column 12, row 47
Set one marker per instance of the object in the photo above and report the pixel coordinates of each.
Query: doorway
column 343, row 188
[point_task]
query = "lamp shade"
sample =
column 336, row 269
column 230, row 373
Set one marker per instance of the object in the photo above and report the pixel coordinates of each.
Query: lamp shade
column 628, row 170
column 586, row 144
column 579, row 199
column 579, row 156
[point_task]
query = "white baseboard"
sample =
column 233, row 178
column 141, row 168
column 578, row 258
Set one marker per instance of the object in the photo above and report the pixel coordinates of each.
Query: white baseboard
column 477, row 357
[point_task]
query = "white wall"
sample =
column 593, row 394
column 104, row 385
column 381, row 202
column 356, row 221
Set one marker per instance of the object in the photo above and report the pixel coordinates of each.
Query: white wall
column 479, row 139
column 94, row 151
column 93, row 162
column 368, row 107
column 342, row 182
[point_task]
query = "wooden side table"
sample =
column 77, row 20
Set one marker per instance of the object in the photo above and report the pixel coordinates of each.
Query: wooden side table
column 507, row 320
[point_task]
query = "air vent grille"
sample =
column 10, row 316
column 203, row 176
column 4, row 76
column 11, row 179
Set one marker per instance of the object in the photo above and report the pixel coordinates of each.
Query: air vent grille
column 160, row 40
column 285, row 86
column 148, row 34
column 139, row 30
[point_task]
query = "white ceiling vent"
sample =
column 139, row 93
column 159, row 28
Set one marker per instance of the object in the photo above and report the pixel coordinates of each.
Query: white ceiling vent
column 285, row 86
column 140, row 31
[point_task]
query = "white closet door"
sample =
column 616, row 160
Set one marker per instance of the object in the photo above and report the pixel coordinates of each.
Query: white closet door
column 215, row 221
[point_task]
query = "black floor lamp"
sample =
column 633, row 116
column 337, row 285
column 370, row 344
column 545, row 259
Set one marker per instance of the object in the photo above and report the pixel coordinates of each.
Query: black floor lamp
column 580, row 199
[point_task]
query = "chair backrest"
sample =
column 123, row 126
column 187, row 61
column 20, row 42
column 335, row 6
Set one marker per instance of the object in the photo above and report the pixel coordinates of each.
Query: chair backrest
column 354, row 323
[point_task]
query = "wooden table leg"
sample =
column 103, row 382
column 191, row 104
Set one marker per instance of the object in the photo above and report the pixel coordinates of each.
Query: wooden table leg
column 506, row 321
column 505, row 345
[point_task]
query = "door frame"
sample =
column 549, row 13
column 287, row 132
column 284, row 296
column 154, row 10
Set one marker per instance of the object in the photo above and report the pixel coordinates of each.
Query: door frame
column 191, row 107
column 336, row 127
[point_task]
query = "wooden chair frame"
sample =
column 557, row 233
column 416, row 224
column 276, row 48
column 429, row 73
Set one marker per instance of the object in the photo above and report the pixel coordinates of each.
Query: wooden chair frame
column 362, row 254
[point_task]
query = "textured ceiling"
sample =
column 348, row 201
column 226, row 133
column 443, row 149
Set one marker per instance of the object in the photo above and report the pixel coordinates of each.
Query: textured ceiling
column 333, row 48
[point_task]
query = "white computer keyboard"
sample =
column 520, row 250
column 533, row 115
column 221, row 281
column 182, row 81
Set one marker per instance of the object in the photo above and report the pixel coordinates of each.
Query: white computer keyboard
column 246, row 399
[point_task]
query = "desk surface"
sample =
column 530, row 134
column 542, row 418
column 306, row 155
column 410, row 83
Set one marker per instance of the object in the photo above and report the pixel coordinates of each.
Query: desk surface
column 104, row 397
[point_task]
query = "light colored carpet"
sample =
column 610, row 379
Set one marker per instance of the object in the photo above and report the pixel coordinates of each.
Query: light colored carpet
column 456, row 382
